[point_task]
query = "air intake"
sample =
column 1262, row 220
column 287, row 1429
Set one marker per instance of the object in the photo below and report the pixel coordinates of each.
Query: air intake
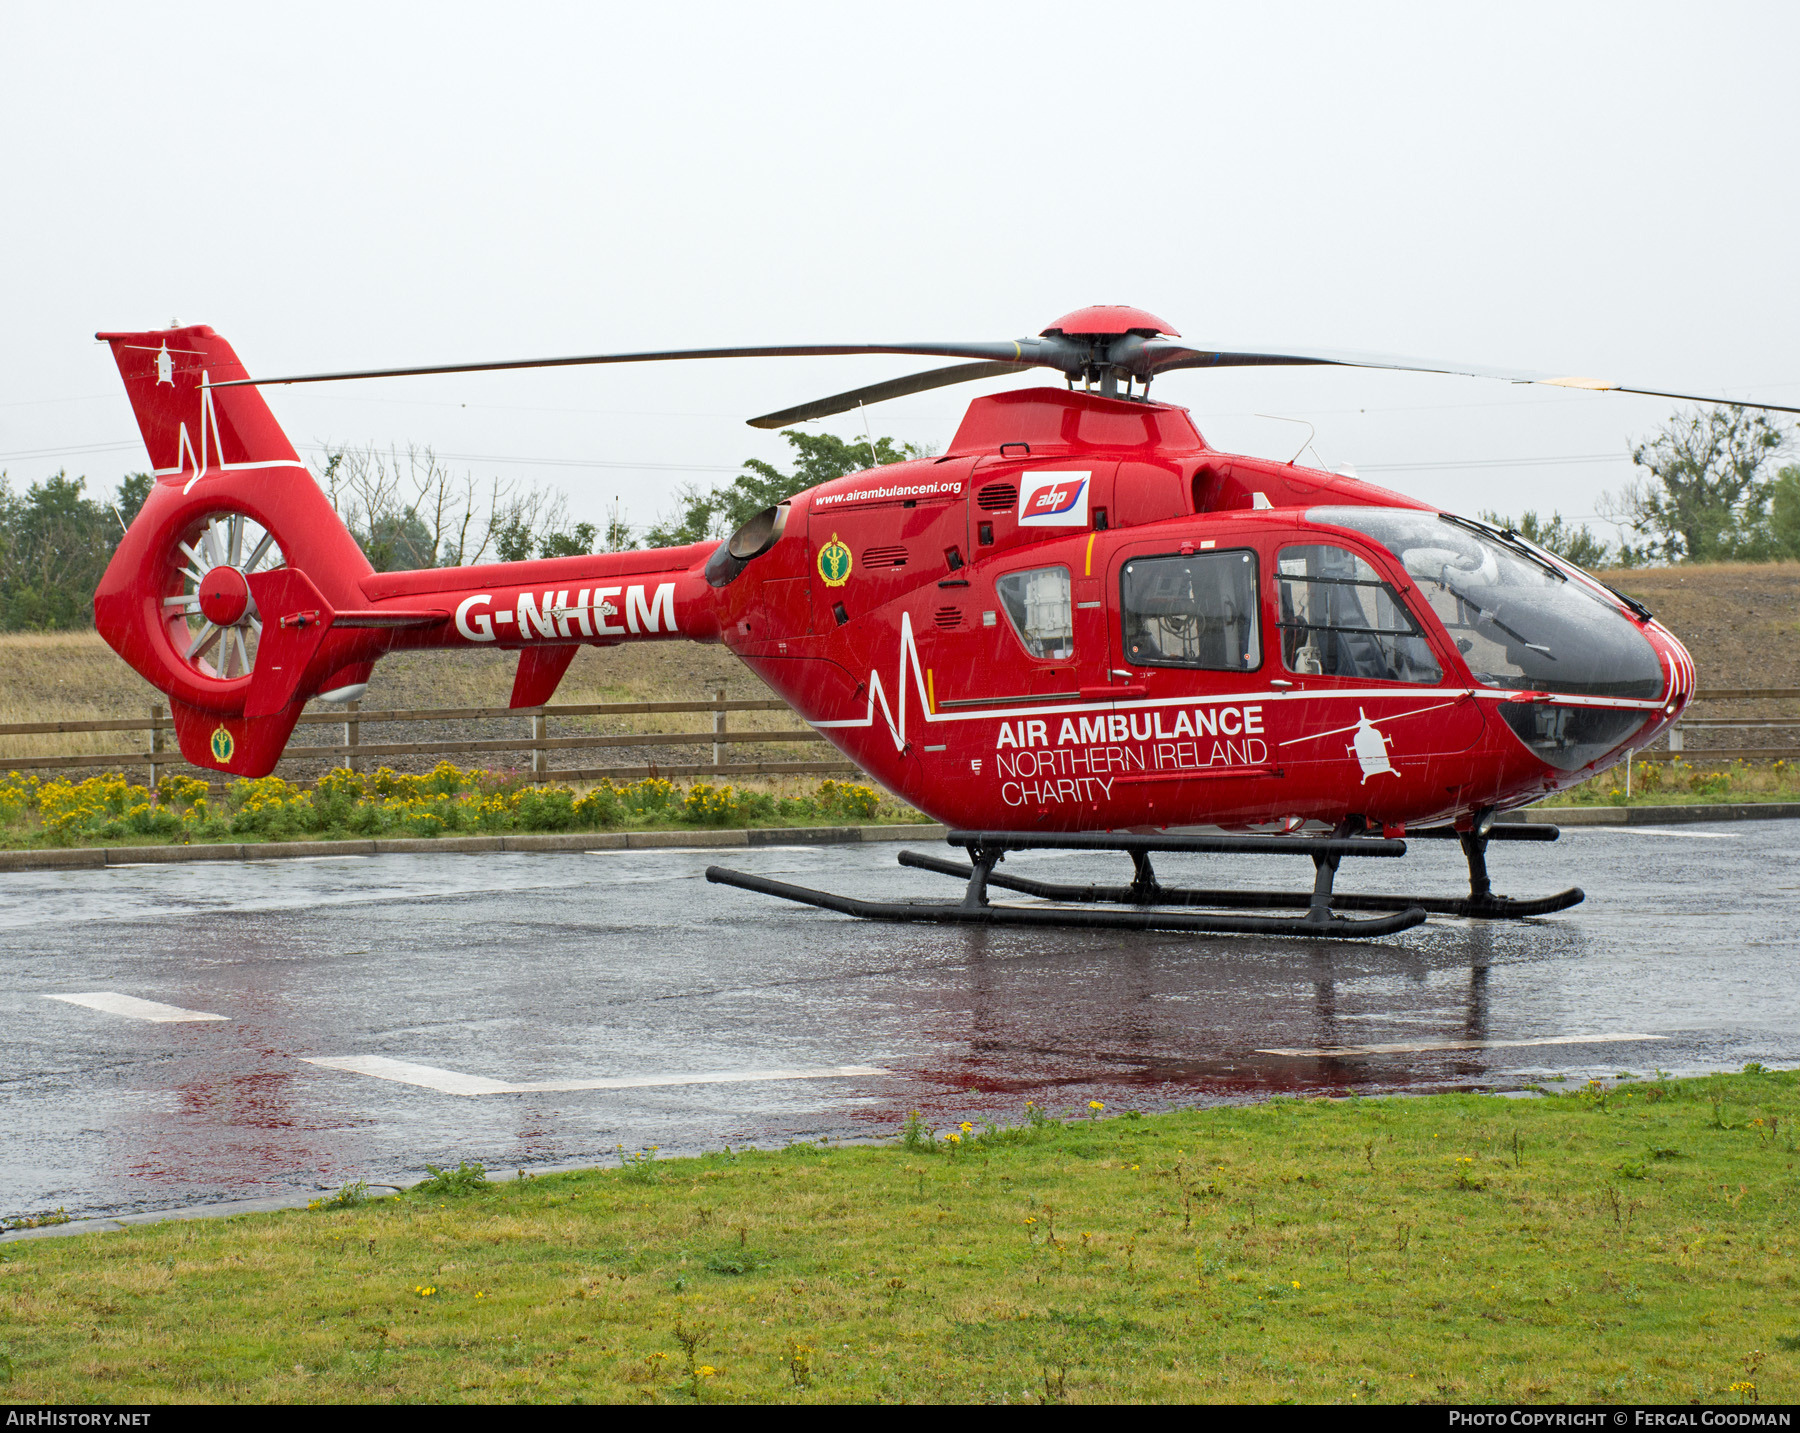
column 996, row 496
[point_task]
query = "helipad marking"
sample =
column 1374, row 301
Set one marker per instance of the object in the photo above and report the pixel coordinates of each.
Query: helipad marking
column 1663, row 831
column 1426, row 1048
column 132, row 1008
column 453, row 1082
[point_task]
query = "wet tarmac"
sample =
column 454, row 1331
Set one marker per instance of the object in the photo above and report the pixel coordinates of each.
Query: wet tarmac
column 383, row 1013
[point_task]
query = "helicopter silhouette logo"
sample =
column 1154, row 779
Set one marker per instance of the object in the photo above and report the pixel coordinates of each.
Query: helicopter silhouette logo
column 1370, row 748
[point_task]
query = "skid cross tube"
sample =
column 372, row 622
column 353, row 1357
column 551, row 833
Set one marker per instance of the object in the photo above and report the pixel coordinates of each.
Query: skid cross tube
column 988, row 848
column 1145, row 889
column 1493, row 908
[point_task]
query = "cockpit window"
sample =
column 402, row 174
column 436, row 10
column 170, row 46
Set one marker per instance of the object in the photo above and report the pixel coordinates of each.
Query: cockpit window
column 1517, row 619
column 1038, row 605
column 1339, row 619
column 1191, row 611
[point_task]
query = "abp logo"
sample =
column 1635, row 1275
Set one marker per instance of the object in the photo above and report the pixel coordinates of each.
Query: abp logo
column 1053, row 499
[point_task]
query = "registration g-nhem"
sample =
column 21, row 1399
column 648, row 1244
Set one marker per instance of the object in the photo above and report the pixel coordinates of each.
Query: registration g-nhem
column 1080, row 625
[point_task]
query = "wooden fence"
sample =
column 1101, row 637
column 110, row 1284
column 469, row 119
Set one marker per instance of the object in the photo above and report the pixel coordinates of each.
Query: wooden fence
column 161, row 757
column 1675, row 746
column 533, row 747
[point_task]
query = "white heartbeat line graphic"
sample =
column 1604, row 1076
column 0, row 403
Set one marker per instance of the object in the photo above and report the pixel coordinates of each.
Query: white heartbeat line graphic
column 909, row 657
column 908, row 647
column 209, row 459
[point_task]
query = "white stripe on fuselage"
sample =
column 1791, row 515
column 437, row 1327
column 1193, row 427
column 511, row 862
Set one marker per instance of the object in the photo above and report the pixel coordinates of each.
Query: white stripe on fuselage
column 909, row 650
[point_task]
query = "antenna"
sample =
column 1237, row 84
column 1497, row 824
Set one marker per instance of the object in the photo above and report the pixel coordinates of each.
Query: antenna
column 865, row 417
column 1310, row 430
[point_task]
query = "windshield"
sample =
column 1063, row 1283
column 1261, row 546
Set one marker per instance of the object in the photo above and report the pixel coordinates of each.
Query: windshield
column 1516, row 621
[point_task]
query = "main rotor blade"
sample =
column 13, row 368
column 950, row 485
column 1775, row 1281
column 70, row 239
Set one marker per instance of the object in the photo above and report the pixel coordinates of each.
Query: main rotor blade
column 1161, row 357
column 893, row 388
column 1010, row 351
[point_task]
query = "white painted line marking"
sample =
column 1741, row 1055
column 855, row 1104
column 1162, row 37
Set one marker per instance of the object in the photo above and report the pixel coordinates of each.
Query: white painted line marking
column 451, row 1082
column 717, row 1077
column 1655, row 831
column 447, row 1082
column 297, row 860
column 134, row 1009
column 1465, row 1045
column 690, row 850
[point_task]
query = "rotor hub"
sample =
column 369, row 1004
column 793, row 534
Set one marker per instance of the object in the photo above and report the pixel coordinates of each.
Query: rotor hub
column 224, row 596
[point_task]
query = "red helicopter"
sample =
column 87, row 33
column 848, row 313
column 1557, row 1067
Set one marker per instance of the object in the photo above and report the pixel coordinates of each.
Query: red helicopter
column 1078, row 628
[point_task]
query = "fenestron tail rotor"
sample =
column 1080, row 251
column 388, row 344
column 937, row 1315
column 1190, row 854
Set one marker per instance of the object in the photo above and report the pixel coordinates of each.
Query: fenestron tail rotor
column 211, row 618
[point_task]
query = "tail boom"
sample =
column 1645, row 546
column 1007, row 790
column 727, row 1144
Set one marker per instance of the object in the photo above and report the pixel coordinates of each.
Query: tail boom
column 317, row 615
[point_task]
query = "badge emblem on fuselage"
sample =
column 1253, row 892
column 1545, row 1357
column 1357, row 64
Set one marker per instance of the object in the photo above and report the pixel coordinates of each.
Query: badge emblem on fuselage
column 835, row 562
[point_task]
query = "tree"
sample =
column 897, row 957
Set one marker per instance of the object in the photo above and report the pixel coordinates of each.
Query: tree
column 55, row 543
column 1707, row 496
column 569, row 542
column 1579, row 545
column 414, row 512
column 724, row 509
column 1784, row 513
column 618, row 536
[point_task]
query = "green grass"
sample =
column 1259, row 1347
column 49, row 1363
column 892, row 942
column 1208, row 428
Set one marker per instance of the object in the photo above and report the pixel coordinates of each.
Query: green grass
column 891, row 814
column 1631, row 1245
column 1710, row 778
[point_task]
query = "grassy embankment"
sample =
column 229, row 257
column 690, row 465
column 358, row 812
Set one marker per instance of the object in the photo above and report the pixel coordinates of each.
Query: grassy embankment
column 1629, row 1244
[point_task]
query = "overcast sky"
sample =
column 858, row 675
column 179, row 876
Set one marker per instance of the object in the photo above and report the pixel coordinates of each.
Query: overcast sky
column 1592, row 189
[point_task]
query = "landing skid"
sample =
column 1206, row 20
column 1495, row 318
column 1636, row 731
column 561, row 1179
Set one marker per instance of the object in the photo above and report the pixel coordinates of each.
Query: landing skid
column 1146, row 890
column 986, row 848
column 1490, row 908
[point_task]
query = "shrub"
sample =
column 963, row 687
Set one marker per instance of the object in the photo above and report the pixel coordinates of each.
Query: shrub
column 464, row 1179
column 600, row 807
column 848, row 799
column 493, row 812
column 650, row 797
column 547, row 808
column 181, row 792
column 724, row 805
column 417, row 820
column 268, row 806
column 445, row 779
column 147, row 820
column 70, row 810
column 336, row 795
column 17, row 795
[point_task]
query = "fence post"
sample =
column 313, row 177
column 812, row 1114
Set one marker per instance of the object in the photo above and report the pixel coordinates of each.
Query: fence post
column 352, row 734
column 539, row 726
column 156, row 744
column 718, row 722
column 1675, row 737
column 1629, row 753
